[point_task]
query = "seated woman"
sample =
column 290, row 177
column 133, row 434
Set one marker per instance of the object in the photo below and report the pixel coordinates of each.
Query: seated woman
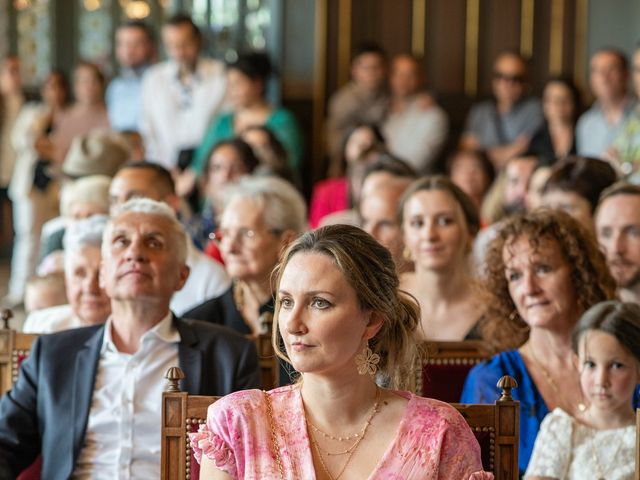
column 247, row 79
column 261, row 216
column 338, row 194
column 542, row 271
column 228, row 161
column 439, row 223
column 344, row 322
column 601, row 441
column 555, row 139
column 473, row 172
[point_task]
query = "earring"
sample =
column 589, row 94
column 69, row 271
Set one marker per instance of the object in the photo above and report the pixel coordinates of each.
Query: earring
column 514, row 316
column 367, row 361
column 406, row 254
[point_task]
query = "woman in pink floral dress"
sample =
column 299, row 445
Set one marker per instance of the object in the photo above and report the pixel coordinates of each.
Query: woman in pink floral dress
column 345, row 325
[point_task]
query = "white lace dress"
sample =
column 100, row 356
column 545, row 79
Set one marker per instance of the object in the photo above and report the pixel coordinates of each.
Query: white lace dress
column 568, row 450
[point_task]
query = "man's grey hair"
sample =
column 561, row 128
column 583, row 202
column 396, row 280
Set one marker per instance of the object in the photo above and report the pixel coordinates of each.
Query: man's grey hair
column 87, row 232
column 284, row 206
column 146, row 206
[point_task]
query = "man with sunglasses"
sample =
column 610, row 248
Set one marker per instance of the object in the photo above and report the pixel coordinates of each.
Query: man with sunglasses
column 504, row 124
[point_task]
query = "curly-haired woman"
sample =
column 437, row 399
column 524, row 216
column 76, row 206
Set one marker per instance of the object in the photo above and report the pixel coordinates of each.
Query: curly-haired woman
column 542, row 272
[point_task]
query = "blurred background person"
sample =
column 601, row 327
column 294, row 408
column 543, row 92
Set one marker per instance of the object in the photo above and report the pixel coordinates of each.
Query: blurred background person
column 608, row 78
column 625, row 150
column 271, row 153
column 228, row 161
column 414, row 131
column 88, row 302
column 247, row 80
column 384, row 183
column 504, row 125
column 509, row 191
column 473, row 172
column 556, row 138
column 44, row 291
column 180, row 96
column 536, row 187
column 86, row 113
column 360, row 147
column 364, row 100
column 33, row 191
column 135, row 51
column 439, row 223
column 542, row 271
column 261, row 216
column 575, row 185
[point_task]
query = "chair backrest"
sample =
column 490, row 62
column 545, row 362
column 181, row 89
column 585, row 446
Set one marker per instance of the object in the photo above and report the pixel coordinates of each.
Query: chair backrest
column 445, row 368
column 497, row 429
column 495, row 426
column 269, row 365
column 14, row 348
column 181, row 414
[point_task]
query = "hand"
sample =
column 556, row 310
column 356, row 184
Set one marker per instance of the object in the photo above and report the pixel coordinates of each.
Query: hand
column 501, row 155
column 44, row 147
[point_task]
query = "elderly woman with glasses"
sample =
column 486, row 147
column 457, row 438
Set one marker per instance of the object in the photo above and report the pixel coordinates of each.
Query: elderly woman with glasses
column 261, row 216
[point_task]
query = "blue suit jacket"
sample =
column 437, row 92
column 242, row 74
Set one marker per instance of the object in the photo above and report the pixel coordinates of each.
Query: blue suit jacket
column 47, row 410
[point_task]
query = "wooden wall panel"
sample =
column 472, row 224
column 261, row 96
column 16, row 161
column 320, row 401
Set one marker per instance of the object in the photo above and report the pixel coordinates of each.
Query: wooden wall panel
column 460, row 72
column 445, row 46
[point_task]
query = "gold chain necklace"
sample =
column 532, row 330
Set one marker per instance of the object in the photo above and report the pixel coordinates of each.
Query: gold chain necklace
column 356, row 435
column 349, row 451
column 551, row 382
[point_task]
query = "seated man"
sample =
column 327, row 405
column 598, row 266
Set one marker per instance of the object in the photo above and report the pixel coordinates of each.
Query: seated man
column 208, row 278
column 88, row 304
column 618, row 229
column 88, row 400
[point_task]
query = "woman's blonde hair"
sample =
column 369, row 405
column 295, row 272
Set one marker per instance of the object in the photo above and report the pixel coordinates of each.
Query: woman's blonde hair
column 369, row 268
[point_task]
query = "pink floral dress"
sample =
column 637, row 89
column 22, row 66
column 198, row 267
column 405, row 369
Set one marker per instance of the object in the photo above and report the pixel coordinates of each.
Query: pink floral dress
column 432, row 442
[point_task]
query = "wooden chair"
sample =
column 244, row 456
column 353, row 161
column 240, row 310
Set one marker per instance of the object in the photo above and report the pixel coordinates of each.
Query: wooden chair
column 14, row 348
column 269, row 365
column 495, row 426
column 445, row 368
column 497, row 429
column 181, row 414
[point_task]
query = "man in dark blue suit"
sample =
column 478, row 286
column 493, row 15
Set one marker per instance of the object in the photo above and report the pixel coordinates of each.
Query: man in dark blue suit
column 89, row 400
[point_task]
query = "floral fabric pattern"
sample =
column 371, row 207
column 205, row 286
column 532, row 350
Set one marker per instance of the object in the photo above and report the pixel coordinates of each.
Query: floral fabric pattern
column 432, row 442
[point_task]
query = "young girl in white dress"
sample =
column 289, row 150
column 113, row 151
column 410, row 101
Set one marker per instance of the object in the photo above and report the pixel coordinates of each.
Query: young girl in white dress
column 600, row 444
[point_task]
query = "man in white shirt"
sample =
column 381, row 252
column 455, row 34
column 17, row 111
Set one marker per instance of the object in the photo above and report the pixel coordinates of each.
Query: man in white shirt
column 88, row 303
column 414, row 131
column 88, row 400
column 207, row 279
column 180, row 96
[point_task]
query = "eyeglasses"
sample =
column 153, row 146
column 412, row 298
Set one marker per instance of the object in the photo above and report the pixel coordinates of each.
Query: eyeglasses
column 242, row 235
column 508, row 77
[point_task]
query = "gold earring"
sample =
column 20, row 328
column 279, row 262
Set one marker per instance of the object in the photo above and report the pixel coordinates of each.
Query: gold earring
column 367, row 361
column 406, row 254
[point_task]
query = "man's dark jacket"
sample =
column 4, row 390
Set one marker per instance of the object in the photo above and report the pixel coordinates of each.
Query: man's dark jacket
column 47, row 410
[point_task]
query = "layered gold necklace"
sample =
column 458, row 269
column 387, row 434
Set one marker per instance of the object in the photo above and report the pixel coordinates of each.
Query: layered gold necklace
column 356, row 438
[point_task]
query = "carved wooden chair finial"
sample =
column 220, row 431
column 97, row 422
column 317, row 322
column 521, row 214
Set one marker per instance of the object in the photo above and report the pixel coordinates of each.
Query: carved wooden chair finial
column 507, row 383
column 174, row 375
column 6, row 315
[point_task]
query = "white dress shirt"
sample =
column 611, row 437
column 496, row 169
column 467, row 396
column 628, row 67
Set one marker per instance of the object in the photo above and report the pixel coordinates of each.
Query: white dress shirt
column 122, row 440
column 207, row 279
column 175, row 115
column 50, row 320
